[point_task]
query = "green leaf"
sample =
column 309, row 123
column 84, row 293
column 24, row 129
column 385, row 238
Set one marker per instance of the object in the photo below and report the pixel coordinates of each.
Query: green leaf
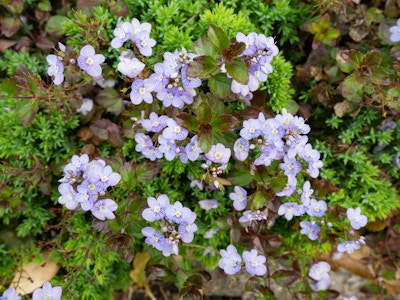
column 205, row 138
column 351, row 90
column 9, row 87
column 388, row 274
column 201, row 66
column 9, row 26
column 27, row 110
column 220, row 85
column 259, row 199
column 54, row 25
column 224, row 123
column 285, row 277
column 217, row 37
column 44, row 5
column 238, row 70
column 204, row 113
column 278, row 184
column 241, row 177
column 189, row 121
column 372, row 59
column 111, row 100
column 349, row 60
column 128, row 175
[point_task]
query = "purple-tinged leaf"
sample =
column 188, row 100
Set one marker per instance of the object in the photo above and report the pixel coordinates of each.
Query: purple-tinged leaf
column 285, row 277
column 205, row 137
column 147, row 170
column 27, row 110
column 203, row 46
column 234, row 49
column 259, row 199
column 9, row 87
column 204, row 113
column 349, row 60
column 189, row 121
column 372, row 59
column 9, row 26
column 111, row 100
column 201, row 66
column 114, row 135
column 224, row 123
column 54, row 25
column 119, row 8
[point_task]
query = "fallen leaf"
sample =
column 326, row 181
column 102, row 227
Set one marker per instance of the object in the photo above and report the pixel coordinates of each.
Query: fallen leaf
column 33, row 276
column 138, row 273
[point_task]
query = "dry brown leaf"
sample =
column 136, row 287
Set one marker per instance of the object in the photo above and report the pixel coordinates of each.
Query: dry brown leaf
column 33, row 276
column 341, row 108
column 393, row 286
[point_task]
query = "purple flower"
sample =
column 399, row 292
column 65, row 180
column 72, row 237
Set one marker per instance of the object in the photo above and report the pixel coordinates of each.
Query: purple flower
column 155, row 123
column 273, row 129
column 168, row 147
column 208, row 204
column 230, row 261
column 251, row 129
column 174, row 131
column 193, row 149
column 93, row 169
column 290, row 209
column 306, row 193
column 86, row 107
column 159, row 79
column 321, row 285
column 68, row 196
column 309, row 154
column 289, row 187
column 348, row 246
column 129, row 65
column 106, row 178
column 86, row 197
column 316, row 208
column 143, row 141
column 122, row 34
column 266, row 157
column 153, row 237
column 245, row 89
column 395, row 32
column 189, row 82
column 290, row 166
column 249, row 41
column 219, row 154
column 56, row 68
column 137, row 28
column 350, row 298
column 313, row 168
column 188, row 228
column 319, row 271
column 47, row 292
column 251, row 216
column 152, row 153
column 89, row 61
column 254, row 263
column 103, row 209
column 145, row 43
column 310, row 229
column 241, row 149
column 178, row 213
column 10, row 294
column 357, row 220
column 156, row 210
column 239, row 198
column 141, row 91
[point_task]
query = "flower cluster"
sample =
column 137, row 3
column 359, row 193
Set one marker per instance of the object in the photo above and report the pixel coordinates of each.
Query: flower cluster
column 357, row 221
column 44, row 293
column 85, row 183
column 135, row 32
column 258, row 54
column 176, row 223
column 395, row 32
column 169, row 82
column 231, row 261
column 88, row 61
column 319, row 272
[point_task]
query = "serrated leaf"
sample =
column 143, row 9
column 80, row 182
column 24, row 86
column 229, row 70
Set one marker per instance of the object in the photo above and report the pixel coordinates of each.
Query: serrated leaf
column 27, row 110
column 285, row 277
column 9, row 87
column 372, row 59
column 205, row 139
column 204, row 113
column 220, row 85
column 349, row 60
column 218, row 38
column 224, row 123
column 201, row 67
column 238, row 70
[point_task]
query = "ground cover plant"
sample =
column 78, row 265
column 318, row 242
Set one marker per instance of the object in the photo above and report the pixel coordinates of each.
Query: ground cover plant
column 154, row 141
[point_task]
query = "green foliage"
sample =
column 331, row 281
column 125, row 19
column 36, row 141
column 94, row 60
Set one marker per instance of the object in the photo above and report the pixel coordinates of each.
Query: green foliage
column 278, row 85
column 12, row 59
